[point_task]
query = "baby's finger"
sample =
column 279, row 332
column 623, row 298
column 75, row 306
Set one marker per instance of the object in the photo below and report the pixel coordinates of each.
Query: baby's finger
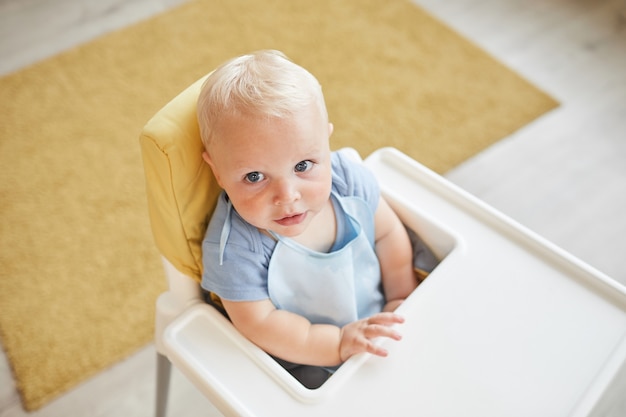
column 377, row 350
column 377, row 330
column 386, row 319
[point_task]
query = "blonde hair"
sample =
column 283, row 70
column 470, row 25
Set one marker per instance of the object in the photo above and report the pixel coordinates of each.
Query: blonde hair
column 263, row 83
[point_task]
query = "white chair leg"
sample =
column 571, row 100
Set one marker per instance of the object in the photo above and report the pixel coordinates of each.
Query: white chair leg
column 164, row 368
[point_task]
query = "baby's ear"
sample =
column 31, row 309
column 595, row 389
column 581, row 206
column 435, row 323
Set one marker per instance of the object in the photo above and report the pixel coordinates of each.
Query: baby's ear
column 208, row 160
column 330, row 129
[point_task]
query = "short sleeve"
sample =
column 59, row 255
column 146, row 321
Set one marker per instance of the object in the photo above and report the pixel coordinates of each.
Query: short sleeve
column 242, row 274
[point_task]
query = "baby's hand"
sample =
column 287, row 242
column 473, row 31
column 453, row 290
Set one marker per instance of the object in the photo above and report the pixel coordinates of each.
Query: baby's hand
column 356, row 337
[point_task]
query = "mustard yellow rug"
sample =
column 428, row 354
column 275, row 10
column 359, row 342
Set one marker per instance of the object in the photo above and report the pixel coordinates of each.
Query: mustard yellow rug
column 79, row 273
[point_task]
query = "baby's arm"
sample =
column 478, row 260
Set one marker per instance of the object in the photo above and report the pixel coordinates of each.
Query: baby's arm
column 293, row 338
column 395, row 255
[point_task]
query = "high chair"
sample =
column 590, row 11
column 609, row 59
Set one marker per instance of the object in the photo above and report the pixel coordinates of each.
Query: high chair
column 507, row 324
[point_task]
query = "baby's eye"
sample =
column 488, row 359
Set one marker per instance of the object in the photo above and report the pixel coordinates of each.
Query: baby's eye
column 303, row 166
column 254, row 177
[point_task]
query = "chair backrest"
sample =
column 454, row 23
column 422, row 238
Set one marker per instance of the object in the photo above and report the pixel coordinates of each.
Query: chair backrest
column 181, row 189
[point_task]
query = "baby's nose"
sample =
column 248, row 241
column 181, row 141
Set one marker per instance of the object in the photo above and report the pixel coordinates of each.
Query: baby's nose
column 286, row 192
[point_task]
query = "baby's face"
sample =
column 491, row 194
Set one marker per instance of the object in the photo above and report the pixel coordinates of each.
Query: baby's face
column 276, row 172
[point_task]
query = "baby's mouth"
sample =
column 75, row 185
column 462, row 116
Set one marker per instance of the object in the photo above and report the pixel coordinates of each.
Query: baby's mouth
column 292, row 220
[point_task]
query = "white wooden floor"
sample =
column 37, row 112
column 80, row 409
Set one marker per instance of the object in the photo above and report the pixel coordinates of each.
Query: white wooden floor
column 564, row 175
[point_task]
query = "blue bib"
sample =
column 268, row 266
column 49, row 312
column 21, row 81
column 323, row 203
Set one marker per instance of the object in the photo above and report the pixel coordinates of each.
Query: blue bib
column 338, row 287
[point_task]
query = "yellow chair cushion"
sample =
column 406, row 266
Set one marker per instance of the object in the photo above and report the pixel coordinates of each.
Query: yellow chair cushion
column 181, row 189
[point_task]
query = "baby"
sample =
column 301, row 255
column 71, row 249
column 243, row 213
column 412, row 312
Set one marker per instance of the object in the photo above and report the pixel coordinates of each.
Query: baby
column 308, row 259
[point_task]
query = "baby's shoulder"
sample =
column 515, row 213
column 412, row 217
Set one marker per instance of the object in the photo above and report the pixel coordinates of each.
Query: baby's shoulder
column 351, row 178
